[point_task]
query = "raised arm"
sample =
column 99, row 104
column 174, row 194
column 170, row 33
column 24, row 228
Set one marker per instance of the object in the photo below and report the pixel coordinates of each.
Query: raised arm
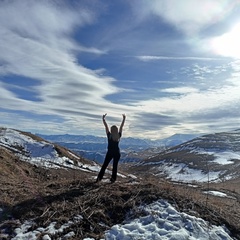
column 122, row 124
column 105, row 124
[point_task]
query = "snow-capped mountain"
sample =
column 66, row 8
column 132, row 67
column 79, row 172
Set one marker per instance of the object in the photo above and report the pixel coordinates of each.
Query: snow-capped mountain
column 132, row 149
column 213, row 157
column 33, row 149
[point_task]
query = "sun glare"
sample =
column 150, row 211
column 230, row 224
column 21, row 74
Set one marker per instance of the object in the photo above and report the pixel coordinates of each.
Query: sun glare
column 228, row 44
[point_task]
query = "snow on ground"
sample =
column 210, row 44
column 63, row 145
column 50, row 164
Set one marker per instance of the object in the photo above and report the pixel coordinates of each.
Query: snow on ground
column 226, row 157
column 22, row 232
column 41, row 153
column 160, row 221
column 218, row 194
column 164, row 222
column 181, row 172
column 34, row 149
column 220, row 157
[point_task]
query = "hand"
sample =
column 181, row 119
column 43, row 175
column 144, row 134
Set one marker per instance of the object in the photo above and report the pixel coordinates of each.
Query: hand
column 124, row 116
column 104, row 115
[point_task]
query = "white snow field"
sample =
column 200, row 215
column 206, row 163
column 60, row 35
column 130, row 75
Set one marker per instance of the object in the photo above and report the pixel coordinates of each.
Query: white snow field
column 164, row 222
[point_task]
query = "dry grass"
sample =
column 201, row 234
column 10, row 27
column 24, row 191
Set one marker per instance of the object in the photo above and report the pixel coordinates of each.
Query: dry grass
column 29, row 192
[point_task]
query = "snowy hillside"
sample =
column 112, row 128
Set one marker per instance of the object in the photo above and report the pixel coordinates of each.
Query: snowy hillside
column 37, row 151
column 213, row 157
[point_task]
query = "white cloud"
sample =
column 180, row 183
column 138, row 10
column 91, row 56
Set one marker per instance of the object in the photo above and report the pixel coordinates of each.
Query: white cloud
column 227, row 44
column 193, row 102
column 180, row 90
column 155, row 58
column 43, row 20
column 37, row 43
column 191, row 110
column 189, row 16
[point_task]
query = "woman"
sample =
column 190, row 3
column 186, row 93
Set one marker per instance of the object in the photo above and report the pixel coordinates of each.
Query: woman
column 113, row 151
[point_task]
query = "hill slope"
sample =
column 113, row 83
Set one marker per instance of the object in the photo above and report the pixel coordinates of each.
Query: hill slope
column 40, row 152
column 214, row 157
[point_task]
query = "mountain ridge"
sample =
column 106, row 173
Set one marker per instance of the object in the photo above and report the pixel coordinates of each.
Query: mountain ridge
column 94, row 148
column 208, row 157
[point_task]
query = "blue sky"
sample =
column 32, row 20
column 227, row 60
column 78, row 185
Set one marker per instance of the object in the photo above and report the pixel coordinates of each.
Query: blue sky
column 171, row 66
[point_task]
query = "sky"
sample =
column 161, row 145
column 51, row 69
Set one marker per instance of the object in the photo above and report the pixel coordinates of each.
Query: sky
column 171, row 66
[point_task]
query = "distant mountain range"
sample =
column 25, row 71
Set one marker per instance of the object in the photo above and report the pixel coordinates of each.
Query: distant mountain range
column 212, row 157
column 132, row 149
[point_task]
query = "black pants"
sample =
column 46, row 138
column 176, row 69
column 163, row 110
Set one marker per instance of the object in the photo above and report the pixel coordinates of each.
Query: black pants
column 109, row 156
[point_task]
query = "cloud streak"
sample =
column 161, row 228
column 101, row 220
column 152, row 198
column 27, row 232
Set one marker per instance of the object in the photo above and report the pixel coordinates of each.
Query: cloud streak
column 155, row 58
column 46, row 53
column 67, row 63
column 190, row 16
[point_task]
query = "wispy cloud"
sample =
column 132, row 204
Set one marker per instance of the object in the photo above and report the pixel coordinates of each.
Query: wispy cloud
column 155, row 58
column 76, row 60
column 193, row 108
column 37, row 43
column 189, row 16
column 180, row 90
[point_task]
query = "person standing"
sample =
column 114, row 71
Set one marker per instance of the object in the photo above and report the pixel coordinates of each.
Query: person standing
column 113, row 151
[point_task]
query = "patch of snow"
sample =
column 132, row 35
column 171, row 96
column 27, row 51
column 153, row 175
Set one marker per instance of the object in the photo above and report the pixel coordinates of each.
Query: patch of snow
column 226, row 157
column 69, row 235
column 181, row 172
column 221, row 157
column 73, row 155
column 132, row 176
column 164, row 222
column 22, row 232
column 218, row 194
column 94, row 168
column 32, row 148
column 186, row 184
column 46, row 237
